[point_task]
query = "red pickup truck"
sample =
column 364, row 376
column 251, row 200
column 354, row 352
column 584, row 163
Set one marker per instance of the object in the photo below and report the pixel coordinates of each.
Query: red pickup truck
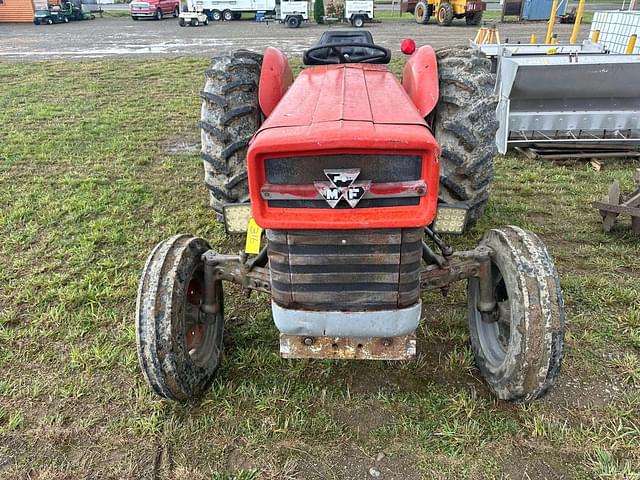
column 154, row 9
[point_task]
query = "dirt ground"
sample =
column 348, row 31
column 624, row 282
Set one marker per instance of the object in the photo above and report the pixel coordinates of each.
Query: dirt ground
column 110, row 37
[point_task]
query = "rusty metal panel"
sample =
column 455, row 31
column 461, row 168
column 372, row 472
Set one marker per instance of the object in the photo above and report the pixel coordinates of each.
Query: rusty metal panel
column 356, row 348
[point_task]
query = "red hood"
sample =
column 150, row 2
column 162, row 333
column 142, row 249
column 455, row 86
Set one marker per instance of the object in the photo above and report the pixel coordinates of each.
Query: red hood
column 351, row 92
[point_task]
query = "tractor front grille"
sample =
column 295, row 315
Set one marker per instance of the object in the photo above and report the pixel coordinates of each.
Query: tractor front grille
column 377, row 169
column 345, row 270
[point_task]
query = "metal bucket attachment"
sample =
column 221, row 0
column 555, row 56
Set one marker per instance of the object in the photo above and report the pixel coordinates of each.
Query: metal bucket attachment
column 491, row 50
column 568, row 99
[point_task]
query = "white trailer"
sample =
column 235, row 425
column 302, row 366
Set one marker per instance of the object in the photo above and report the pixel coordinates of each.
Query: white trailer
column 232, row 9
column 357, row 12
column 292, row 12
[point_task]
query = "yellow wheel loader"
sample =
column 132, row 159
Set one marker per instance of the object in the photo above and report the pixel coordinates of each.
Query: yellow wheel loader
column 445, row 10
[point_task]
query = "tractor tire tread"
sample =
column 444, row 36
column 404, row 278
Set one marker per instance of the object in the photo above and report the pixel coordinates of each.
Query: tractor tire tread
column 227, row 127
column 213, row 98
column 465, row 126
column 162, row 360
column 533, row 361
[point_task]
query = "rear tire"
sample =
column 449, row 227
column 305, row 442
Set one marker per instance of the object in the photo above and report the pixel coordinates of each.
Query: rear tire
column 158, row 14
column 358, row 21
column 230, row 116
column 473, row 18
column 227, row 15
column 518, row 347
column 36, row 21
column 216, row 15
column 182, row 22
column 421, row 12
column 465, row 125
column 178, row 346
column 445, row 14
column 176, row 12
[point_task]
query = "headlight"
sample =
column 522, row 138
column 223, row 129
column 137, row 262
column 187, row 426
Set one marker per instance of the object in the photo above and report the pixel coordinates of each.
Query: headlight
column 236, row 217
column 450, row 219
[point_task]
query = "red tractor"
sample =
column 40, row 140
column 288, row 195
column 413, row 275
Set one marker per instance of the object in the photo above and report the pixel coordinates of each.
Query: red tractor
column 349, row 171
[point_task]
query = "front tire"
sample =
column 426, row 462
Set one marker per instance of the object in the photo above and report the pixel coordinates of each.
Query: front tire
column 358, row 21
column 465, row 125
column 230, row 116
column 195, row 22
column 176, row 12
column 421, row 12
column 518, row 348
column 178, row 346
column 227, row 15
column 216, row 15
column 158, row 14
column 182, row 22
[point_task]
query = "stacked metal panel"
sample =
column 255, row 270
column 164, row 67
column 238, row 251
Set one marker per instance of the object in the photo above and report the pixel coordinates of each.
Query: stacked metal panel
column 616, row 27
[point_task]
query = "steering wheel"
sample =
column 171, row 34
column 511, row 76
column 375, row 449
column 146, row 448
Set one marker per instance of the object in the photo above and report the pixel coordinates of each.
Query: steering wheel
column 379, row 55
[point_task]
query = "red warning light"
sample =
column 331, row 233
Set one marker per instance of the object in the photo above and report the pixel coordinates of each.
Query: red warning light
column 408, row 46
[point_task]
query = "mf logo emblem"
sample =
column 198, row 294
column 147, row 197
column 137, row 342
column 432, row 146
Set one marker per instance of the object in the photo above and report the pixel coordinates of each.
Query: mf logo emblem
column 342, row 184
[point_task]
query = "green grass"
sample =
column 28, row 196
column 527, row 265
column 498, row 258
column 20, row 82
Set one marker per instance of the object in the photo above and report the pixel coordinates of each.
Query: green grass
column 88, row 187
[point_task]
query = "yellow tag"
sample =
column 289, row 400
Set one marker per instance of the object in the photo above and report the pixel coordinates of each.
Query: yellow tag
column 254, row 233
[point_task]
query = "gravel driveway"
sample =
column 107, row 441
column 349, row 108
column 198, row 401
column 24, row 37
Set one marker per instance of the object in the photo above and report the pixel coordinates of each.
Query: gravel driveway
column 111, row 37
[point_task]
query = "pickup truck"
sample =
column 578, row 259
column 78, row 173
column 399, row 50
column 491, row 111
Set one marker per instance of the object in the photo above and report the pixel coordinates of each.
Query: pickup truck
column 154, row 9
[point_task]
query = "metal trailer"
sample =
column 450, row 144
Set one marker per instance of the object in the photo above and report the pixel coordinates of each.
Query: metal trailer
column 358, row 12
column 231, row 9
column 292, row 12
column 570, row 99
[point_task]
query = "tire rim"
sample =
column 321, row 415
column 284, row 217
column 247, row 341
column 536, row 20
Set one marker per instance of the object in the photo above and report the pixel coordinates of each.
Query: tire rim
column 420, row 12
column 494, row 330
column 441, row 15
column 200, row 335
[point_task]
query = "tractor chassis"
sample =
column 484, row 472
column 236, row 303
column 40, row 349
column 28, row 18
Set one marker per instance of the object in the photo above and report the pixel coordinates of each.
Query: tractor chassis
column 439, row 275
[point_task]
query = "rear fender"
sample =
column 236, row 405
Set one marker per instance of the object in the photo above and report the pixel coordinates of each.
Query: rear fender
column 420, row 79
column 275, row 79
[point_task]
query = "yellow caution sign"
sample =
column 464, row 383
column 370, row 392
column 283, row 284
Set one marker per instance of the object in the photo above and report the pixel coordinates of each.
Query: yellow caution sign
column 254, row 233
